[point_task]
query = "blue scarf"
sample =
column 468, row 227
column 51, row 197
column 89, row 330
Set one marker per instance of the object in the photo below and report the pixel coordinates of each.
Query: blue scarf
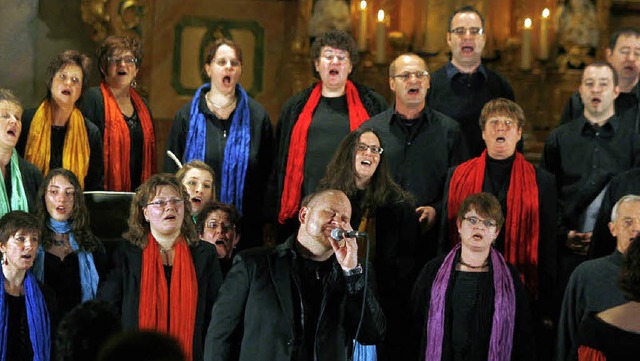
column 236, row 151
column 88, row 274
column 37, row 318
column 364, row 352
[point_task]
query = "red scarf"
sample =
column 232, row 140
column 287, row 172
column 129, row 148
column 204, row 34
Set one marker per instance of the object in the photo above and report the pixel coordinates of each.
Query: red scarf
column 117, row 144
column 294, row 176
column 171, row 311
column 522, row 225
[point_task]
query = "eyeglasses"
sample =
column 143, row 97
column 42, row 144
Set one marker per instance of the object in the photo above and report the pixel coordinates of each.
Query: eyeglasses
column 224, row 227
column 174, row 202
column 508, row 124
column 474, row 221
column 420, row 75
column 64, row 77
column 127, row 60
column 461, row 31
column 361, row 147
column 224, row 61
column 338, row 57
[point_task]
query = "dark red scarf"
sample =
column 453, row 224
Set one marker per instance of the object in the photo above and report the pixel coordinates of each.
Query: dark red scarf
column 522, row 225
column 294, row 176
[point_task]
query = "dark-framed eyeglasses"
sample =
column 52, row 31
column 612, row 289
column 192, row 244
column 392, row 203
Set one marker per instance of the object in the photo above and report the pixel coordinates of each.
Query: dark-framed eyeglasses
column 224, row 227
column 474, row 221
column 162, row 203
column 361, row 147
column 461, row 31
column 420, row 75
column 126, row 59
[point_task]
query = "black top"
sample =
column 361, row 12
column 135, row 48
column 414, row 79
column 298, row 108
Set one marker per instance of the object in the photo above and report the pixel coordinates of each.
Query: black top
column 584, row 158
column 261, row 150
column 330, row 124
column 497, row 177
column 462, row 96
column 93, row 179
column 602, row 241
column 18, row 340
column 626, row 105
column 616, row 344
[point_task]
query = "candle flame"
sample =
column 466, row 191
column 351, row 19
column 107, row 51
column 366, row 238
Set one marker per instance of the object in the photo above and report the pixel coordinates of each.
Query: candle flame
column 380, row 15
column 363, row 4
column 527, row 23
column 546, row 13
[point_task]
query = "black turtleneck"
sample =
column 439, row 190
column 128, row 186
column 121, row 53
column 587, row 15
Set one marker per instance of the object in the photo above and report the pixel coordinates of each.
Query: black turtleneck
column 497, row 175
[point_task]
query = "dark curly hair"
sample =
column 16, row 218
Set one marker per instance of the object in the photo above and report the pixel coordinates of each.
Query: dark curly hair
column 139, row 228
column 341, row 175
column 336, row 39
column 210, row 207
column 80, row 225
column 629, row 281
column 114, row 44
column 15, row 221
column 68, row 57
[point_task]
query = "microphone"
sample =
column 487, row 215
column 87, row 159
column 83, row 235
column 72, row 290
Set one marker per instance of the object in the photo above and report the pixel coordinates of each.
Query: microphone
column 338, row 234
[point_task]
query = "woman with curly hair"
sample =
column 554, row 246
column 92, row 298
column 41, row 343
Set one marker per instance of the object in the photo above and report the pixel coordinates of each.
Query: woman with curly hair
column 383, row 210
column 164, row 278
column 70, row 258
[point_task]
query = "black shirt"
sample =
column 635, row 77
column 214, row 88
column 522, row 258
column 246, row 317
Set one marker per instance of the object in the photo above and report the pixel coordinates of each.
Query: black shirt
column 329, row 125
column 462, row 96
column 584, row 158
column 18, row 339
column 63, row 276
column 136, row 157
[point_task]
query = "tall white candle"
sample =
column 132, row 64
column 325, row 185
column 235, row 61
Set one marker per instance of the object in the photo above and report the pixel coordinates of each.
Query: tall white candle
column 380, row 39
column 362, row 29
column 525, row 56
column 544, row 34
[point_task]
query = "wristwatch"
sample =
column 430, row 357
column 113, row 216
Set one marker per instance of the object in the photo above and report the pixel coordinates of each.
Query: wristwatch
column 354, row 271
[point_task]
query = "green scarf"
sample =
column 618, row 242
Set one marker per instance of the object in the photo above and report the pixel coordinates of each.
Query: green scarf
column 18, row 196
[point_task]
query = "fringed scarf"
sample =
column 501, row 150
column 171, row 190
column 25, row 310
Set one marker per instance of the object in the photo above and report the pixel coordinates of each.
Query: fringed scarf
column 236, row 151
column 117, row 143
column 171, row 310
column 89, row 277
column 522, row 225
column 37, row 318
column 18, row 201
column 294, row 176
column 504, row 308
column 76, row 151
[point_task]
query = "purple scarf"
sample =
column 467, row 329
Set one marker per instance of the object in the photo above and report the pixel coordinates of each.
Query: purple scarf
column 503, row 315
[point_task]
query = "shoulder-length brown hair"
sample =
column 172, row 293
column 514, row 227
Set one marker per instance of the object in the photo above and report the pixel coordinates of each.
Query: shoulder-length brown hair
column 341, row 175
column 139, row 228
column 80, row 226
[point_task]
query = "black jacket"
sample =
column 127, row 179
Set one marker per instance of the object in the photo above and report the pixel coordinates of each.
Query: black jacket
column 122, row 286
column 255, row 315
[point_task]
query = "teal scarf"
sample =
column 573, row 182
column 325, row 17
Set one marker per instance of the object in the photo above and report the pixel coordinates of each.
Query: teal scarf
column 18, row 201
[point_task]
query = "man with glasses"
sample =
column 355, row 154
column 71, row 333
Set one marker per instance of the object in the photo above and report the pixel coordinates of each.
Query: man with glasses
column 219, row 224
column 420, row 143
column 623, row 53
column 462, row 87
column 313, row 123
column 527, row 195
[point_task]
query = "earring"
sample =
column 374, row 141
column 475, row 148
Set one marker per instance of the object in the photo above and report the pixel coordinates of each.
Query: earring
column 134, row 83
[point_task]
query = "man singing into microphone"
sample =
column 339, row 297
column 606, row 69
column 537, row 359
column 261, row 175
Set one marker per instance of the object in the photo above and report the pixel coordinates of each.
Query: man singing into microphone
column 301, row 300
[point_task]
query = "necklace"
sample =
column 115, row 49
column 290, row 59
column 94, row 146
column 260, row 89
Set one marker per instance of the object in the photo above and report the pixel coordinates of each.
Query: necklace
column 60, row 239
column 218, row 106
column 485, row 264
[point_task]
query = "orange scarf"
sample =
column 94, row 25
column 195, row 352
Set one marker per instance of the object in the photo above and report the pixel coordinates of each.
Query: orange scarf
column 522, row 224
column 173, row 310
column 294, row 176
column 117, row 144
column 76, row 151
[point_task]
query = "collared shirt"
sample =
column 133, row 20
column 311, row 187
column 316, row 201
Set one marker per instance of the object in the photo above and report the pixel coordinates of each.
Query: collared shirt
column 584, row 158
column 462, row 96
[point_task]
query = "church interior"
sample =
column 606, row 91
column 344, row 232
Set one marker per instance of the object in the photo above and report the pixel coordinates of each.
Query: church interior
column 525, row 42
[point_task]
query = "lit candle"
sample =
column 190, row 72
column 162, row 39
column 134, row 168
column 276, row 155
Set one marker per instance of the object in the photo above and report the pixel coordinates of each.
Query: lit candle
column 525, row 56
column 380, row 39
column 362, row 38
column 544, row 34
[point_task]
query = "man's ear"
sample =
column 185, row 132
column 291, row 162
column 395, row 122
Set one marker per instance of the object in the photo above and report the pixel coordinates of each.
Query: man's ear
column 302, row 215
